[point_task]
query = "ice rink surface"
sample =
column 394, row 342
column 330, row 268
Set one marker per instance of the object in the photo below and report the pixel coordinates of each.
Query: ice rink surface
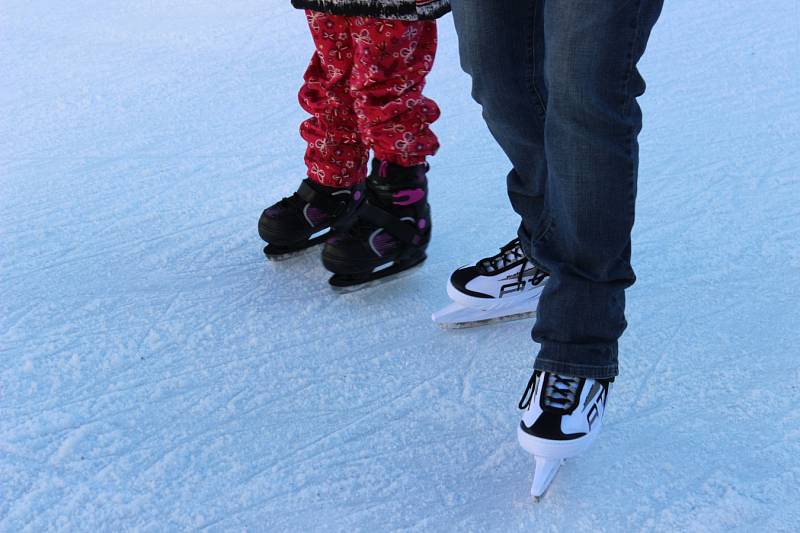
column 157, row 374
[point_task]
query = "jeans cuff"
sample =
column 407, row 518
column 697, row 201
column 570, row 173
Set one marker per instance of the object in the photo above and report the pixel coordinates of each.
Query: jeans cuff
column 526, row 244
column 580, row 361
column 573, row 370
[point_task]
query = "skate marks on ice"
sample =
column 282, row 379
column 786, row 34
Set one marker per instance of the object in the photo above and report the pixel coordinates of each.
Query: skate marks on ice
column 157, row 374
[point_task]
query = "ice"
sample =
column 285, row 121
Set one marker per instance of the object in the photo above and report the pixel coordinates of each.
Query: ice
column 156, row 373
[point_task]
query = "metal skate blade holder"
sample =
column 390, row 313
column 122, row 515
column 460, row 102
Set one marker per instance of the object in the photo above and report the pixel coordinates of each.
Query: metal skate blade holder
column 457, row 316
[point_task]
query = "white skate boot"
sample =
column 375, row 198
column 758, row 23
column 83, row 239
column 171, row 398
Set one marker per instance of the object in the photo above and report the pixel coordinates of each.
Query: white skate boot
column 503, row 287
column 563, row 415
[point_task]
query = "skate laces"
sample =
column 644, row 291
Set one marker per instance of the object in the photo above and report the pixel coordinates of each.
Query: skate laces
column 560, row 392
column 509, row 254
column 527, row 396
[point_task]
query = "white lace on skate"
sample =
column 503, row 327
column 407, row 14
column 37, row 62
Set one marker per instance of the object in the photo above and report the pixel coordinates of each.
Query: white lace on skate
column 559, row 392
column 509, row 254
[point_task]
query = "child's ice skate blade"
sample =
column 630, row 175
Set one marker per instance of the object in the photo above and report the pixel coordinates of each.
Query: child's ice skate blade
column 277, row 252
column 346, row 283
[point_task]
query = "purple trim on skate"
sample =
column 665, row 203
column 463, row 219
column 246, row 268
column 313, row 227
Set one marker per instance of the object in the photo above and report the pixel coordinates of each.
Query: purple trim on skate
column 383, row 243
column 316, row 216
column 412, row 196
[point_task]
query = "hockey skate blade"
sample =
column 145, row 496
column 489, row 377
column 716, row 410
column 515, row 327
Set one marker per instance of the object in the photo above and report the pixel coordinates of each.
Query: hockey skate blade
column 343, row 285
column 543, row 475
column 274, row 257
column 276, row 253
column 456, row 316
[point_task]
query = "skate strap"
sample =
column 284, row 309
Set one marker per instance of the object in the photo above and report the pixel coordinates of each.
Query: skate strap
column 328, row 203
column 396, row 227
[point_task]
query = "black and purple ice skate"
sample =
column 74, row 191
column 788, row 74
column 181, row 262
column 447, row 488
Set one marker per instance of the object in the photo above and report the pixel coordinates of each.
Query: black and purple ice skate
column 388, row 233
column 306, row 218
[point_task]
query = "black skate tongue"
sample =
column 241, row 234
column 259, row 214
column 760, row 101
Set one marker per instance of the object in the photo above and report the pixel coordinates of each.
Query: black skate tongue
column 395, row 188
column 389, row 173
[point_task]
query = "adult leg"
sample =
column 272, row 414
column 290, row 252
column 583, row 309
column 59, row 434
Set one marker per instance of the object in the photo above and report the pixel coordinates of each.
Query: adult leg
column 501, row 45
column 336, row 155
column 591, row 127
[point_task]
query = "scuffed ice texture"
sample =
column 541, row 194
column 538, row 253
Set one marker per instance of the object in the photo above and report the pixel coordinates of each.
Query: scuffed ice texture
column 156, row 374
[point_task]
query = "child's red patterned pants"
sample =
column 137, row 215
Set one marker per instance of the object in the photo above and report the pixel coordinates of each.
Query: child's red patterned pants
column 363, row 89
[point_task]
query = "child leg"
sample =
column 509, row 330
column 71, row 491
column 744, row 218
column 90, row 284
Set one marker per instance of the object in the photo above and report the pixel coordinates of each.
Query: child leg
column 390, row 63
column 336, row 155
column 393, row 227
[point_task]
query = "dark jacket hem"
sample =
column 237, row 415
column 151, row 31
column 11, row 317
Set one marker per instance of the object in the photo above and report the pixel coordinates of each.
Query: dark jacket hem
column 384, row 9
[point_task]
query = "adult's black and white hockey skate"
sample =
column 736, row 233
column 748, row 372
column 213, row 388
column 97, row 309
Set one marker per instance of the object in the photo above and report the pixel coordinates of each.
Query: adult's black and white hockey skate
column 388, row 233
column 563, row 416
column 306, row 218
column 503, row 287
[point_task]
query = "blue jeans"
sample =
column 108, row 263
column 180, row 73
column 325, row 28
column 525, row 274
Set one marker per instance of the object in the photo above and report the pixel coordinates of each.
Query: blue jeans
column 558, row 83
